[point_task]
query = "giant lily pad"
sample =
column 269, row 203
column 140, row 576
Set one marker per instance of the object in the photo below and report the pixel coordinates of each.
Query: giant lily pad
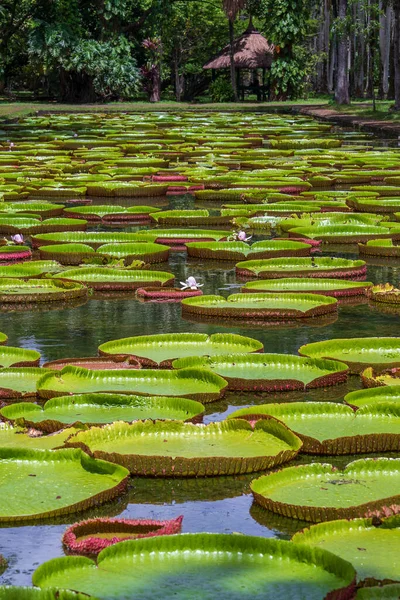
column 240, row 250
column 320, row 492
column 30, row 593
column 357, row 353
column 175, row 449
column 91, row 536
column 199, row 384
column 372, row 549
column 44, row 209
column 387, row 592
column 108, row 278
column 275, row 268
column 380, row 247
column 327, row 287
column 110, row 213
column 39, row 290
column 36, row 268
column 161, row 349
column 172, row 237
column 20, row 382
column 329, row 428
column 220, row 565
column 260, row 306
column 145, row 251
column 45, row 483
column 95, row 239
column 18, row 357
column 14, row 253
column 15, row 437
column 372, row 378
column 269, row 372
column 99, row 409
column 342, row 234
column 373, row 397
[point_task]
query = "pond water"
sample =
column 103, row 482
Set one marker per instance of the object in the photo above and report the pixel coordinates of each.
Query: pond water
column 214, row 505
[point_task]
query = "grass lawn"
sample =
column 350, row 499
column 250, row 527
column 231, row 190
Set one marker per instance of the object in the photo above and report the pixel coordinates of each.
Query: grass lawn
column 20, row 109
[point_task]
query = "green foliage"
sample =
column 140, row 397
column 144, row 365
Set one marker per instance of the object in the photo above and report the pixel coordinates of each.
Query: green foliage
column 221, row 90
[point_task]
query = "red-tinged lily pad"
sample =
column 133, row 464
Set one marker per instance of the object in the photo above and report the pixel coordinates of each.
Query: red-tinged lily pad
column 372, row 378
column 320, row 492
column 260, row 306
column 358, row 353
column 160, row 350
column 198, row 384
column 95, row 362
column 176, row 449
column 387, row 592
column 92, row 536
column 99, row 409
column 334, row 429
column 218, row 566
column 153, row 294
column 269, row 372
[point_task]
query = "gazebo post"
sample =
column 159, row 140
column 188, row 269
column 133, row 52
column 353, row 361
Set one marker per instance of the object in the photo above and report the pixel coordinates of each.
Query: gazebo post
column 264, row 96
column 238, row 83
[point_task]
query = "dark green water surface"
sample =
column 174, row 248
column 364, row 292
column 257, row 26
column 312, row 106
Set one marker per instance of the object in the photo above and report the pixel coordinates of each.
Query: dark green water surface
column 214, row 505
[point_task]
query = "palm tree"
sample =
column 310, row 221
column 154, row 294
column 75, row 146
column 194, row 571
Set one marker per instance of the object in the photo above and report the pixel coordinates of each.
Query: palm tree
column 231, row 9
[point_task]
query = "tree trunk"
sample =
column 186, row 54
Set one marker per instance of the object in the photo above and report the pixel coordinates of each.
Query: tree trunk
column 232, row 59
column 342, row 80
column 384, row 41
column 396, row 53
column 155, row 95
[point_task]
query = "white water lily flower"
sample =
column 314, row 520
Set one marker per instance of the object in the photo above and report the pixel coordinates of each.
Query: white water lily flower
column 242, row 237
column 17, row 238
column 191, row 284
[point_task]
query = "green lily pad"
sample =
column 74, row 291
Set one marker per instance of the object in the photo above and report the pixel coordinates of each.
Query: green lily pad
column 15, row 437
column 44, row 209
column 387, row 592
column 180, row 236
column 373, row 550
column 108, row 278
column 260, row 306
column 357, row 353
column 161, row 349
column 240, row 250
column 99, row 409
column 269, row 372
column 30, row 593
column 342, row 234
column 372, row 378
column 95, row 239
column 39, row 290
column 198, row 384
column 146, row 251
column 44, row 483
column 175, row 449
column 320, row 492
column 18, row 357
column 275, row 268
column 373, row 397
column 220, row 565
column 329, row 428
column 380, row 247
column 328, row 287
column 34, row 268
column 3, row 338
column 20, row 382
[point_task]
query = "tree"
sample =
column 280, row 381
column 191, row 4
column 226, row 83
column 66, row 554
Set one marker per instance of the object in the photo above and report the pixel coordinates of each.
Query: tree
column 342, row 94
column 286, row 26
column 396, row 53
column 231, row 9
column 81, row 40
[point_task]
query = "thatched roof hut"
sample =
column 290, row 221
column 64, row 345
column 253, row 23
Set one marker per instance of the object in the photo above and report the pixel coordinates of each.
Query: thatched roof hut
column 251, row 51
